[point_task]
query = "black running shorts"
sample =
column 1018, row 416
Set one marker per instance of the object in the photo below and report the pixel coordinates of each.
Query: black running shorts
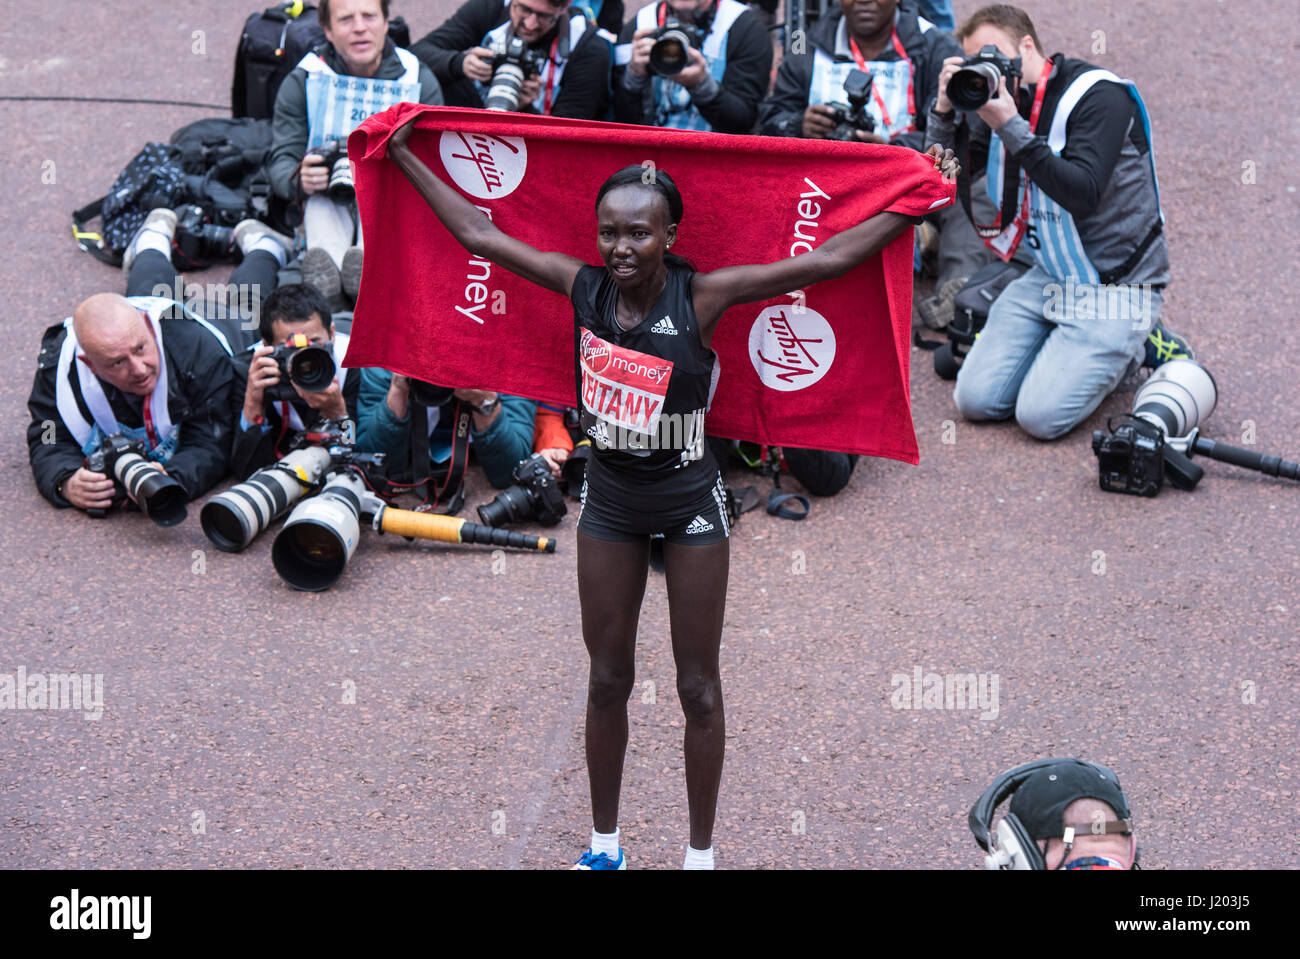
column 613, row 510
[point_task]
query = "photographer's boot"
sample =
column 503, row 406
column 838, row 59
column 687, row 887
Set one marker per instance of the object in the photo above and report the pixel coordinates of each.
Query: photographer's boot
column 155, row 233
column 321, row 273
column 936, row 311
column 350, row 273
column 253, row 235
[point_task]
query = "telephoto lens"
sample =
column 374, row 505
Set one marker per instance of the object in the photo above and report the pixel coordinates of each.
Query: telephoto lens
column 159, row 496
column 233, row 519
column 972, row 87
column 319, row 537
column 1177, row 398
column 668, row 56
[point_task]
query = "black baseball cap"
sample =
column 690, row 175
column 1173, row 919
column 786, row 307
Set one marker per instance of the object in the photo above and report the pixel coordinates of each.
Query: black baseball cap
column 1040, row 801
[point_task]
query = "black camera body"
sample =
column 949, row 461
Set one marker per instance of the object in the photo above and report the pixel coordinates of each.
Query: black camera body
column 159, row 496
column 535, row 495
column 300, row 362
column 668, row 56
column 977, row 81
column 513, row 62
column 1130, row 458
column 851, row 118
column 199, row 241
column 423, row 393
column 341, row 188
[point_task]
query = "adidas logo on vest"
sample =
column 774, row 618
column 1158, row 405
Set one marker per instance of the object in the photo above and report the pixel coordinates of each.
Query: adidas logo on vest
column 699, row 524
column 665, row 326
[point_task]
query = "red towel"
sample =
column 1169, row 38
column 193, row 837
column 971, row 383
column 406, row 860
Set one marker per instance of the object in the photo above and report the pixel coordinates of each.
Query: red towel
column 834, row 367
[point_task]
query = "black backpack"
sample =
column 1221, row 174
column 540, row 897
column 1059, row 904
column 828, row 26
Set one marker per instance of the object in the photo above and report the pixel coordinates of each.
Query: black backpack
column 273, row 43
column 218, row 164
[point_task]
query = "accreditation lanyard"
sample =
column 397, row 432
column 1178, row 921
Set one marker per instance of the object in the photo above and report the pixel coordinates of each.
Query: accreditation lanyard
column 1023, row 218
column 149, row 429
column 880, row 101
column 551, row 67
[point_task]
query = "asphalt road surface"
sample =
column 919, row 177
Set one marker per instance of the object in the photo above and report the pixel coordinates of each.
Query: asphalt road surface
column 1156, row 636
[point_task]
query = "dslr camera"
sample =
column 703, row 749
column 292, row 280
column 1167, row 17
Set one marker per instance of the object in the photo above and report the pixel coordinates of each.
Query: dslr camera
column 159, row 496
column 199, row 241
column 976, row 82
column 311, row 368
column 341, row 189
column 513, row 62
column 535, row 495
column 668, row 56
column 851, row 118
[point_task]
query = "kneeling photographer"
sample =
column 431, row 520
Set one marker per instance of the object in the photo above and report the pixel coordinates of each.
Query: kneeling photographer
column 1070, row 157
column 692, row 65
column 395, row 411
column 534, row 56
column 291, row 381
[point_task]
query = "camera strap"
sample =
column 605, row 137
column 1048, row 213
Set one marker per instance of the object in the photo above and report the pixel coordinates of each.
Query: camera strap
column 875, row 91
column 1004, row 236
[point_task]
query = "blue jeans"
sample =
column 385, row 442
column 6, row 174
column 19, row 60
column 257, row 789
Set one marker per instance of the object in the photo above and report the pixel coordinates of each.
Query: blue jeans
column 1052, row 351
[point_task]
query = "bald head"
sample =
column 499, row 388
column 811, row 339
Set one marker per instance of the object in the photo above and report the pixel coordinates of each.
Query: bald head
column 116, row 343
column 1086, row 843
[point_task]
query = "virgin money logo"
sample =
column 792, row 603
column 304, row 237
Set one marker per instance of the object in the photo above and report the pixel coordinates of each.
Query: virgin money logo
column 791, row 346
column 596, row 353
column 485, row 166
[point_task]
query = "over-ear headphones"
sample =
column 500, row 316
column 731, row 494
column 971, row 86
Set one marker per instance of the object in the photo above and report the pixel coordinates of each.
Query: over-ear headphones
column 1016, row 847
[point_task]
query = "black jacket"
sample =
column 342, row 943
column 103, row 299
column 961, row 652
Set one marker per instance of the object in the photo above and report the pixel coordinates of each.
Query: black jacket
column 253, row 448
column 198, row 400
column 584, row 86
column 744, row 82
column 782, row 113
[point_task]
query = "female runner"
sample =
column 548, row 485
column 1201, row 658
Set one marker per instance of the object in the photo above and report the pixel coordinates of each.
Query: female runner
column 643, row 324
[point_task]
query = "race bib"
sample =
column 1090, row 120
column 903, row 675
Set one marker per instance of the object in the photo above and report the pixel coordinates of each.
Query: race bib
column 622, row 388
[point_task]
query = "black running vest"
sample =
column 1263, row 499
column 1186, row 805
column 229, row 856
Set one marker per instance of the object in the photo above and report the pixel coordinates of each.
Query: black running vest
column 642, row 393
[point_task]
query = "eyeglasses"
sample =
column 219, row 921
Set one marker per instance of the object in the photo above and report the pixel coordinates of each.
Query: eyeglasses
column 543, row 19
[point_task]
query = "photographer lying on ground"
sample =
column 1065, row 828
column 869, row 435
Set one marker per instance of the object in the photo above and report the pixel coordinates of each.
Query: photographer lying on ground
column 1072, row 144
column 271, row 409
column 141, row 367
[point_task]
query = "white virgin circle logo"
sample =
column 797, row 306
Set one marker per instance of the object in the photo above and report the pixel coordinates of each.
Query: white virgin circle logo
column 486, row 166
column 791, row 349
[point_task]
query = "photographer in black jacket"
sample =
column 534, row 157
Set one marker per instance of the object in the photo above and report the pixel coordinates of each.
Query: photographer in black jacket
column 267, row 427
column 574, row 81
column 723, row 82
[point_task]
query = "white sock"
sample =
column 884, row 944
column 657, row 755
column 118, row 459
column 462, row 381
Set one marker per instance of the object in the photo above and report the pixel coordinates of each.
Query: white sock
column 606, row 843
column 153, row 240
column 698, row 858
column 267, row 244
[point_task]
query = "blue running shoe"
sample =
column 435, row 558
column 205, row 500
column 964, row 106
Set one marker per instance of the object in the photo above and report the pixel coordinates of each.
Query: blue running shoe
column 588, row 861
column 1164, row 345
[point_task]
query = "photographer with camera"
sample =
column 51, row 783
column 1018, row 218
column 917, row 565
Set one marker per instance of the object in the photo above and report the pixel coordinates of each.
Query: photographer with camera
column 1069, row 157
column 557, row 64
column 357, row 73
column 127, row 383
column 394, row 412
column 1064, row 814
column 284, row 387
column 692, row 65
column 901, row 52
